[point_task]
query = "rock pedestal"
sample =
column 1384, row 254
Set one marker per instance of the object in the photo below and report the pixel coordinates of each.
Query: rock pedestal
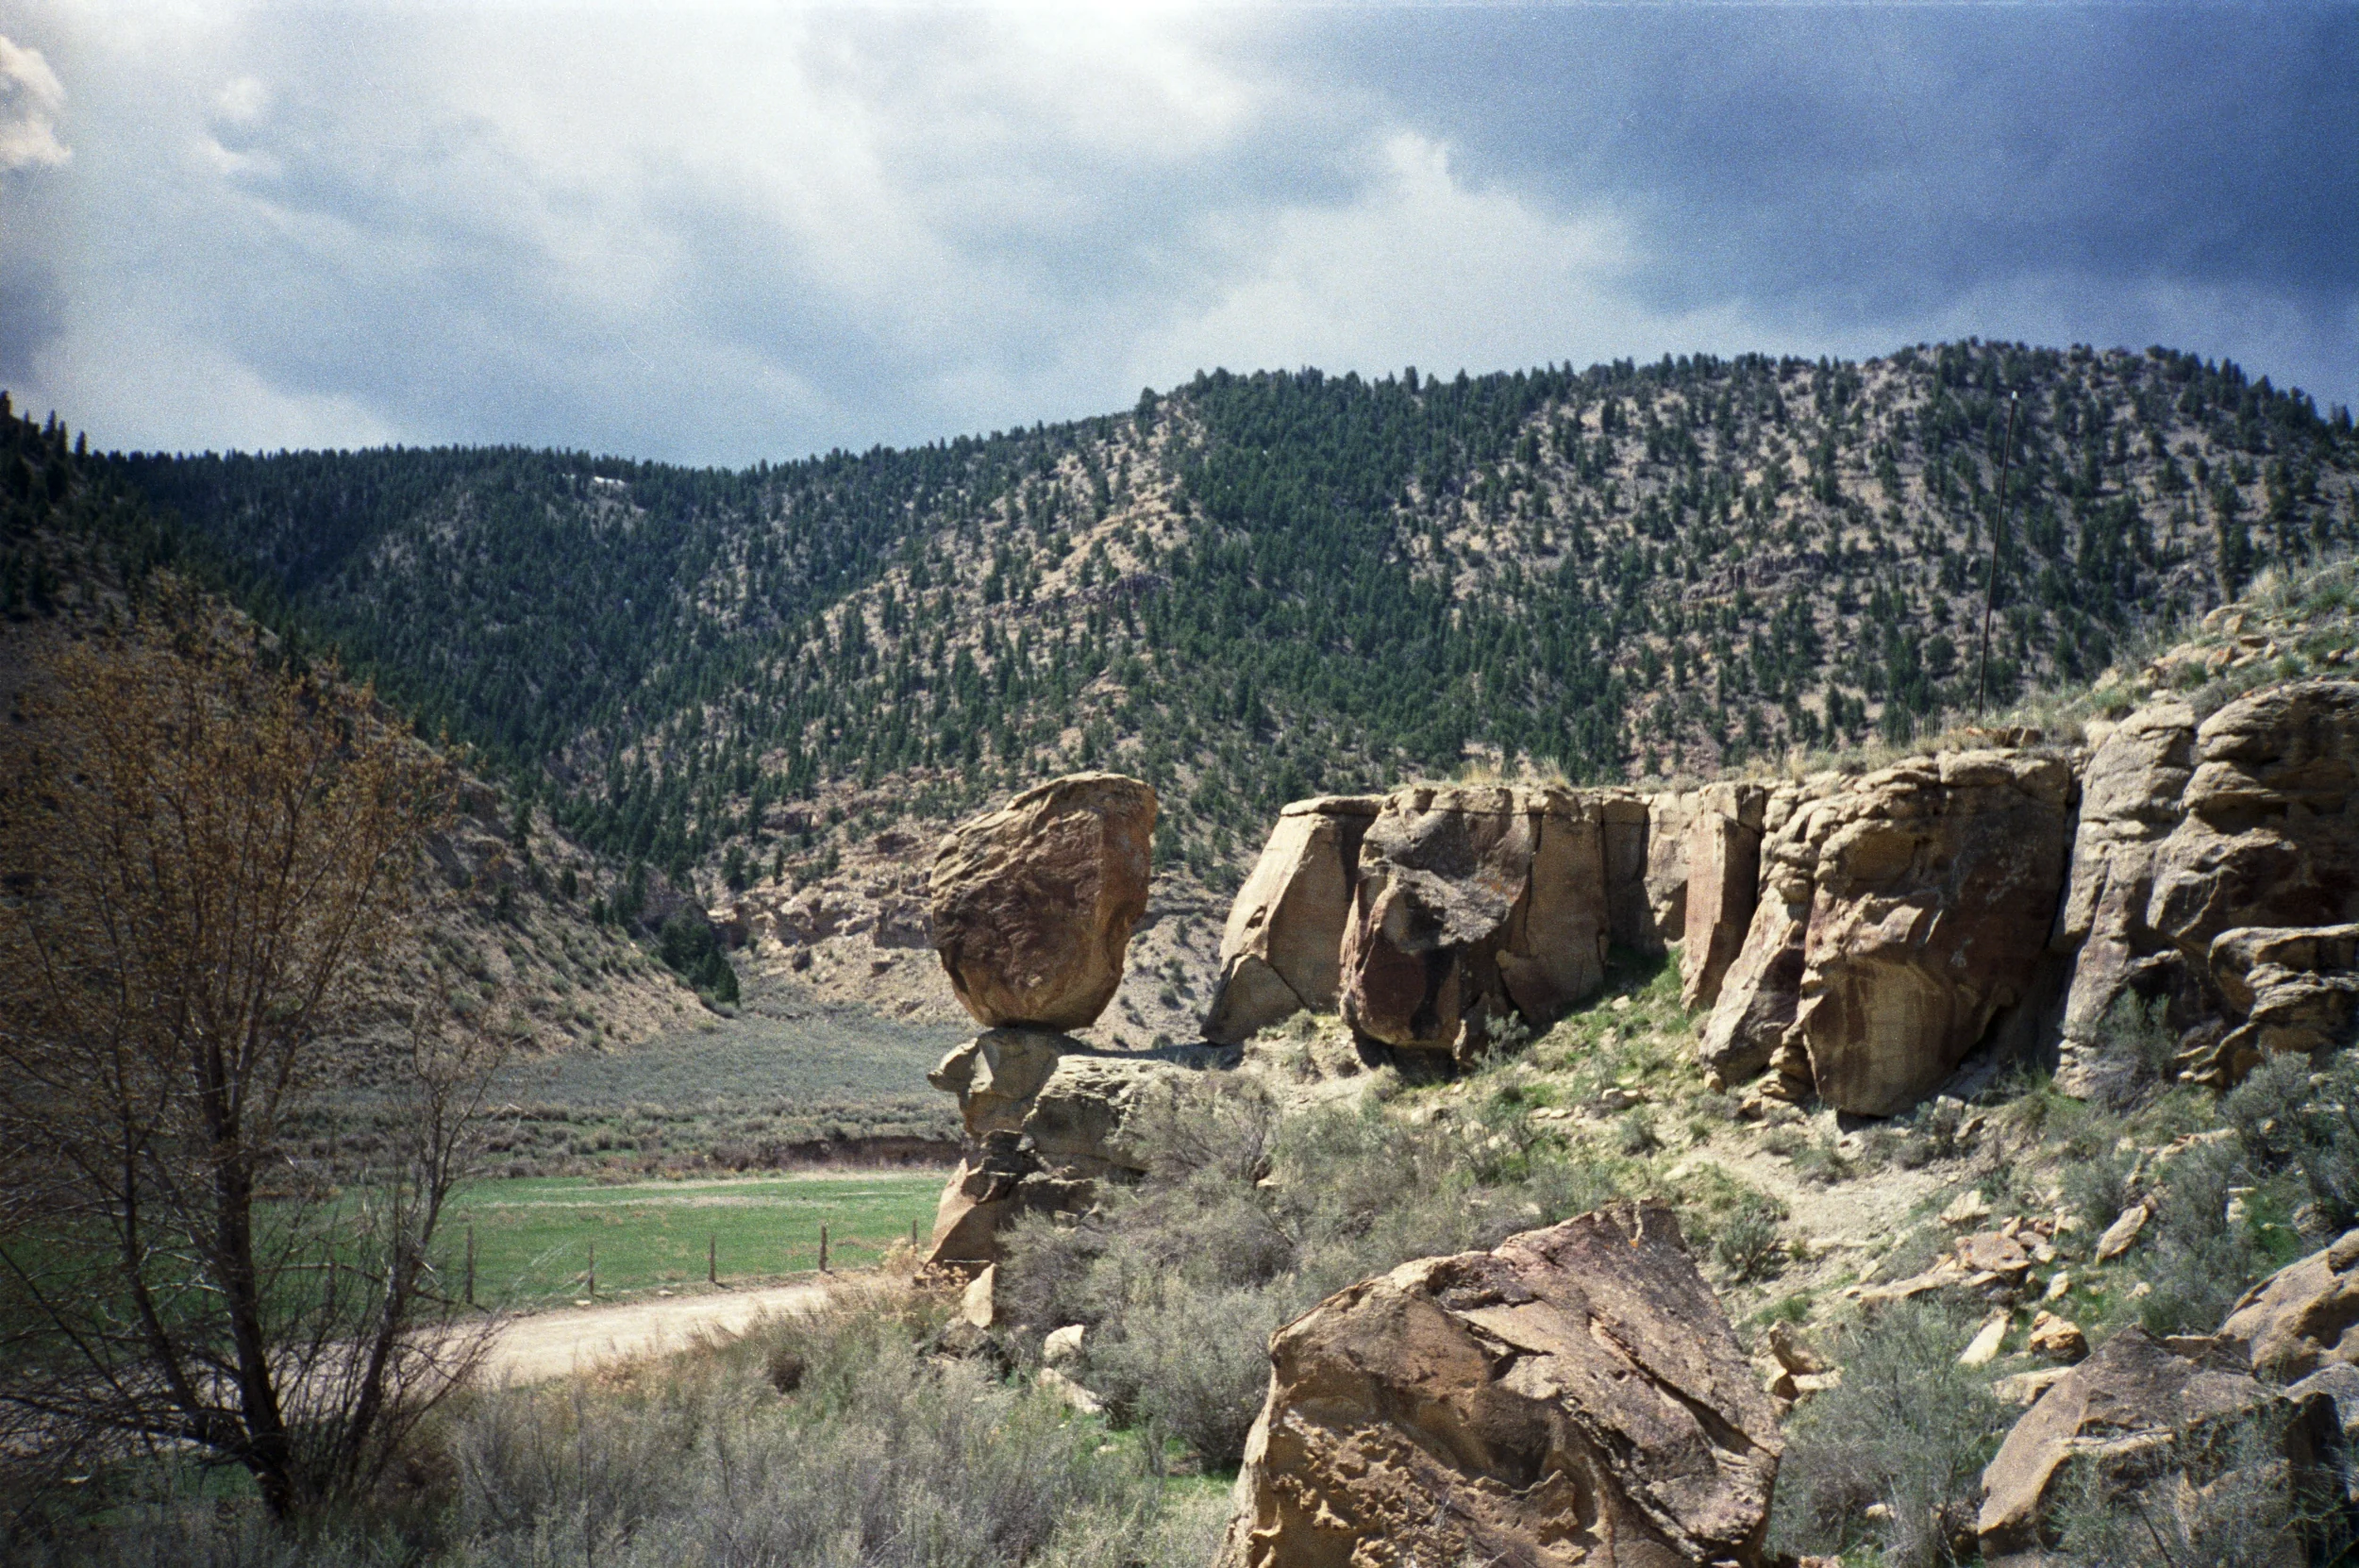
column 1033, row 904
column 1573, row 1397
column 1722, row 885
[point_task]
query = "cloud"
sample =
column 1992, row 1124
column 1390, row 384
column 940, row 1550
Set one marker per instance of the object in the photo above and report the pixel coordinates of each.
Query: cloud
column 717, row 234
column 30, row 99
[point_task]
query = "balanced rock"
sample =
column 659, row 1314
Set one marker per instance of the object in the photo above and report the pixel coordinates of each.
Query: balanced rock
column 1033, row 903
column 1472, row 901
column 1723, row 864
column 1573, row 1397
column 1935, row 892
column 2135, row 1414
column 1280, row 950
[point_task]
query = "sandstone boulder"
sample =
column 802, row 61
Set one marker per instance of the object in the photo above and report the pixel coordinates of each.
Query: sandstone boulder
column 1573, row 1397
column 1723, row 865
column 1472, row 901
column 1935, row 892
column 2302, row 1317
column 1033, row 903
column 2134, row 1414
column 1280, row 950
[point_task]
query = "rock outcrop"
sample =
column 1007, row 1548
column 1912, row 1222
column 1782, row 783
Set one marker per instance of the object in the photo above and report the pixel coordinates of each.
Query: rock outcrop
column 2297, row 988
column 1625, row 828
column 1670, row 813
column 1046, row 1118
column 2302, row 1317
column 1280, row 951
column 1473, row 901
column 1935, row 891
column 1573, row 1397
column 2135, row 1417
column 1722, row 883
column 1033, row 903
column 1900, row 914
column 2189, row 831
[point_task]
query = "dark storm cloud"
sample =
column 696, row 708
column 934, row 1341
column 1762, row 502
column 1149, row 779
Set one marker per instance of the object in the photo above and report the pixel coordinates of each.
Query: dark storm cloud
column 746, row 232
column 1882, row 164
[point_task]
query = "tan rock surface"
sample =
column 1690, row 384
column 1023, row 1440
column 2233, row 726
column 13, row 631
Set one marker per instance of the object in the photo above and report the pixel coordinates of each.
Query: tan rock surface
column 1574, row 1397
column 1935, row 889
column 2131, row 1403
column 1280, row 950
column 1624, row 825
column 2296, row 989
column 1761, row 991
column 2302, row 1317
column 1723, row 864
column 1669, row 815
column 1471, row 900
column 1032, row 904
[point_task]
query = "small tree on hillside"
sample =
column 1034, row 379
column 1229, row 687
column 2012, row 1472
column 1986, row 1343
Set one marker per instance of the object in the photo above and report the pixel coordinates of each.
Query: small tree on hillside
column 211, row 865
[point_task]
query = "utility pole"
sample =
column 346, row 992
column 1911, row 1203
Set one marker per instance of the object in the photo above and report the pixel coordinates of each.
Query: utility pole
column 1990, row 585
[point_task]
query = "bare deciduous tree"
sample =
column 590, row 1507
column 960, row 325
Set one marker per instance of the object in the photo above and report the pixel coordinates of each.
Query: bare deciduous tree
column 211, row 862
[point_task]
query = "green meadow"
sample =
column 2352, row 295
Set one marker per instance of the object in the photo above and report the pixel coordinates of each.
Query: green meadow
column 534, row 1238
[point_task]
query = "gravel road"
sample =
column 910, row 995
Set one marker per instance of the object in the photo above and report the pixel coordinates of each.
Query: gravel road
column 554, row 1344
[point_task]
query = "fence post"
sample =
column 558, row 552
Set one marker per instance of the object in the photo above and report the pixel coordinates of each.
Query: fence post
column 912, row 1235
column 713, row 1260
column 823, row 1249
column 470, row 1265
column 593, row 1270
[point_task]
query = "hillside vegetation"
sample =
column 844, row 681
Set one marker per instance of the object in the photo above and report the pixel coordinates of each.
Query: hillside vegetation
column 1259, row 586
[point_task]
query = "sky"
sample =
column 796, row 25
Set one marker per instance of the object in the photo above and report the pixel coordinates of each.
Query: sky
column 722, row 233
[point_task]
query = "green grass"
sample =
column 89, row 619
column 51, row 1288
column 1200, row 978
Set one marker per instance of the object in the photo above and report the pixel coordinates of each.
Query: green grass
column 533, row 1236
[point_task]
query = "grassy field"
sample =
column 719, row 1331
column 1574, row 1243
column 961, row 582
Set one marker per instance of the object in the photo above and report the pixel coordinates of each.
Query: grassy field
column 756, row 1090
column 533, row 1236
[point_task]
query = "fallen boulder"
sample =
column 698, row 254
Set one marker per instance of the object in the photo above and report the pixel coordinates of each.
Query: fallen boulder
column 1573, row 1397
column 1032, row 904
column 1280, row 952
column 2135, row 1414
column 2302, row 1317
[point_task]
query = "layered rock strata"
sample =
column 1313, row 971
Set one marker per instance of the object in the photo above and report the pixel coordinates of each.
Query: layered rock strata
column 1721, row 883
column 1574, row 1397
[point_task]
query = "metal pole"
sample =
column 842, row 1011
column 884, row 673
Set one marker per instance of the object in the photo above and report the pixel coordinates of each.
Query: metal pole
column 1990, row 586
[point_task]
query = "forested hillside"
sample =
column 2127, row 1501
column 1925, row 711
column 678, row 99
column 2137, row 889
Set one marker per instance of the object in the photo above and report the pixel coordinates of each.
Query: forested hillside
column 83, row 559
column 1255, row 587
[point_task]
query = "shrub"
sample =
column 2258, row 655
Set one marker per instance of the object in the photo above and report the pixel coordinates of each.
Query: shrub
column 1748, row 1245
column 1194, row 1362
column 1907, row 1427
column 2130, row 1055
column 2227, row 1500
column 2286, row 1124
column 2096, row 1188
column 2199, row 1259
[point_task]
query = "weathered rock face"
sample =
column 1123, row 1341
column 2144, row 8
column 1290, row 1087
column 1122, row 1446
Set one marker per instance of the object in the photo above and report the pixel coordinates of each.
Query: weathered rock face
column 1280, row 950
column 1669, row 815
column 1472, row 900
column 1935, row 891
column 1723, row 883
column 1760, row 991
column 1574, row 1397
column 1624, row 828
column 2303, row 1317
column 2187, row 831
column 1033, row 903
column 2136, row 1413
column 2297, row 988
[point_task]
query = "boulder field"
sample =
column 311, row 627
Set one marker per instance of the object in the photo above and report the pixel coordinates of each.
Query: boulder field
column 1854, row 937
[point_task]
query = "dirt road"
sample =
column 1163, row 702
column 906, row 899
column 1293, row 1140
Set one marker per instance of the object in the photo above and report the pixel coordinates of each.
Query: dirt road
column 553, row 1345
